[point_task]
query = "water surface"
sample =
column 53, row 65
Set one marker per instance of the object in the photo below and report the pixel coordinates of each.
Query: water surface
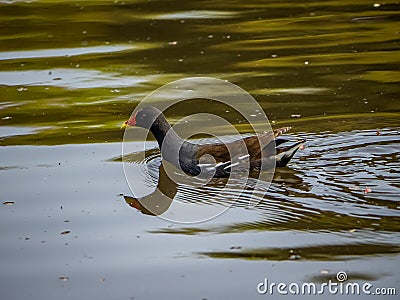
column 71, row 72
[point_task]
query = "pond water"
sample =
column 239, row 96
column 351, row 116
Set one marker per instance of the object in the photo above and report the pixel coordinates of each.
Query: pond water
column 71, row 72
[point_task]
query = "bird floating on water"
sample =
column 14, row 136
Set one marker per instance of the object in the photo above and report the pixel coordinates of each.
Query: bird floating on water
column 257, row 152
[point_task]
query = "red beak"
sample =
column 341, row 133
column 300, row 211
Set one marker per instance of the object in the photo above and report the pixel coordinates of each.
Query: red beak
column 130, row 122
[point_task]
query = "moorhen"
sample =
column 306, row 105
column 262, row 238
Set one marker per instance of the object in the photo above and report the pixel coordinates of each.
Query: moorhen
column 261, row 153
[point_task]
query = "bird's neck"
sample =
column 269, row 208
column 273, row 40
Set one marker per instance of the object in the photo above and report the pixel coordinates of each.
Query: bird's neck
column 168, row 140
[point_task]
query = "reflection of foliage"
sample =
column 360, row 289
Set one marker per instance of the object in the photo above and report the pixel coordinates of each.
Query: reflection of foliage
column 331, row 59
column 320, row 252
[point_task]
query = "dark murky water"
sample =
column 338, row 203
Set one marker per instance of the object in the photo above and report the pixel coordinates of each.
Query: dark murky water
column 72, row 72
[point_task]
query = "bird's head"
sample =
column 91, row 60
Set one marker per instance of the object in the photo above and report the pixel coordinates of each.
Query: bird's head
column 143, row 118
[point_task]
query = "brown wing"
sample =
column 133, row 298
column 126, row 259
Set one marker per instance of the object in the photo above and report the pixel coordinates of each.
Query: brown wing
column 220, row 151
column 253, row 142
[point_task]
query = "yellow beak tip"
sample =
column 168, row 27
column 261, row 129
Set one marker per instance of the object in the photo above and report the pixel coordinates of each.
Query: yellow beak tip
column 124, row 125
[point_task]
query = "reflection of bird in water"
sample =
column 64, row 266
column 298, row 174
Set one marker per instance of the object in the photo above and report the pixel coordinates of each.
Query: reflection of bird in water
column 256, row 152
column 160, row 200
column 213, row 193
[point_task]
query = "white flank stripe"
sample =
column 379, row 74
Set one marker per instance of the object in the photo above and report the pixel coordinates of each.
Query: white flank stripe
column 232, row 165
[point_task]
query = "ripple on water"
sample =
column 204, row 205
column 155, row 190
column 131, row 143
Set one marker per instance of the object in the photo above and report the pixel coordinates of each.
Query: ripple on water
column 76, row 78
column 338, row 182
column 63, row 52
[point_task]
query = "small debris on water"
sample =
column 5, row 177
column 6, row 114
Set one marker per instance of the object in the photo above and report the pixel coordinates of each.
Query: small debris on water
column 63, row 278
column 173, row 43
column 378, row 132
column 295, row 116
column 302, row 147
column 324, row 272
column 102, row 279
column 353, row 230
column 367, row 190
column 235, row 247
column 294, row 257
column 65, row 232
column 9, row 203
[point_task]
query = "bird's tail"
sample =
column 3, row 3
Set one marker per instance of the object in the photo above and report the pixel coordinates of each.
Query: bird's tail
column 285, row 154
